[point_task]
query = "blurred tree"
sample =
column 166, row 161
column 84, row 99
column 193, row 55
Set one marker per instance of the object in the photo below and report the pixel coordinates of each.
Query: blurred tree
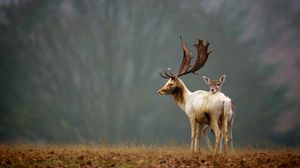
column 78, row 71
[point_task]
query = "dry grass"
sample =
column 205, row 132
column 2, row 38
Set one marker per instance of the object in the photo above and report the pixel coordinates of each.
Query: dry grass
column 140, row 156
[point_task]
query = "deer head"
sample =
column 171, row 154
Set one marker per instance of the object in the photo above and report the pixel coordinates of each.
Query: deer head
column 215, row 85
column 174, row 83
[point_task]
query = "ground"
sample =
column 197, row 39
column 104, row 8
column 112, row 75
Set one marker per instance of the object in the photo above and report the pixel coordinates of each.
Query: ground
column 141, row 156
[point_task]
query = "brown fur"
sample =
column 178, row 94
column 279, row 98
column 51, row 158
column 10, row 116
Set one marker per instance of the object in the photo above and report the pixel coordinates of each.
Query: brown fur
column 179, row 98
column 178, row 95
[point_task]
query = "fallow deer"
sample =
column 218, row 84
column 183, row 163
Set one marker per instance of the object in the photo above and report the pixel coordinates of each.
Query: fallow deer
column 201, row 107
column 216, row 86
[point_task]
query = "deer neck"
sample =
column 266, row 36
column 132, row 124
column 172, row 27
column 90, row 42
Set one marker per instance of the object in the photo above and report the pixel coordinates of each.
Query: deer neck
column 180, row 94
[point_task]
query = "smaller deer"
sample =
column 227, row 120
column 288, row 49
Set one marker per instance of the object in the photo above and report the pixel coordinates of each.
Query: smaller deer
column 216, row 86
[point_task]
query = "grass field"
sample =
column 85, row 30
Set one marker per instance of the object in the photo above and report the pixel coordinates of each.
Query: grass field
column 140, row 156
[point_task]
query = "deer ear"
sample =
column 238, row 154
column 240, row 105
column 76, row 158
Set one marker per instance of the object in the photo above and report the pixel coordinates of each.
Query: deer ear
column 206, row 80
column 222, row 78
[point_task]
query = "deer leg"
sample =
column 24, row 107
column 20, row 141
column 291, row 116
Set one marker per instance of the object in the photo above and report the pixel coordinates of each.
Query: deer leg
column 207, row 141
column 230, row 135
column 225, row 134
column 221, row 142
column 193, row 130
column 215, row 127
column 198, row 136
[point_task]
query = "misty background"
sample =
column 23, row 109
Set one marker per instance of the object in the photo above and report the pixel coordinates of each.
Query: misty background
column 78, row 71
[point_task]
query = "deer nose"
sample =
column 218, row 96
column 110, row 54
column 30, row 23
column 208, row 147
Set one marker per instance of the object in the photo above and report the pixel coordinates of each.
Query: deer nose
column 212, row 89
column 158, row 91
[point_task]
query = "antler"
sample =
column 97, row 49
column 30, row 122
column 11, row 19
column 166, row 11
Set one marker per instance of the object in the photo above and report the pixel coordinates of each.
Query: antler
column 202, row 55
column 185, row 66
column 167, row 76
column 186, row 59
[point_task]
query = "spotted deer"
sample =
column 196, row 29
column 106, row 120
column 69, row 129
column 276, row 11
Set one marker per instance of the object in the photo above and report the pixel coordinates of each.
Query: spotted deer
column 215, row 86
column 201, row 107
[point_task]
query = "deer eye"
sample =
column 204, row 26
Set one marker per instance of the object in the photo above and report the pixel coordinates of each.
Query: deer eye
column 219, row 84
column 171, row 84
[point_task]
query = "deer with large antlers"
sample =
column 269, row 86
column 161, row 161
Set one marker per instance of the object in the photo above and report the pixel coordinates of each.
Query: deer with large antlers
column 201, row 107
